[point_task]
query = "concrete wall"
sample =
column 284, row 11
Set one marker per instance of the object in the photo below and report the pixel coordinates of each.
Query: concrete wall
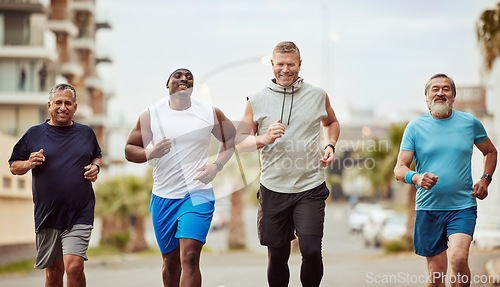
column 488, row 208
column 16, row 202
column 18, row 119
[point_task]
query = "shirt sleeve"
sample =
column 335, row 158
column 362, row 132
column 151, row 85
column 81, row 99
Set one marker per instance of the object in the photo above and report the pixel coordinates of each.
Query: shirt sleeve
column 20, row 150
column 408, row 141
column 479, row 132
column 96, row 151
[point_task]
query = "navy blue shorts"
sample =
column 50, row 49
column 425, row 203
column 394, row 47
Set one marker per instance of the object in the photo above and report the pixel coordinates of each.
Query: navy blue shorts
column 432, row 228
column 188, row 217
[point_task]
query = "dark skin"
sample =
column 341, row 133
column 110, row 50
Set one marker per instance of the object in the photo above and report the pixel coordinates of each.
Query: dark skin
column 181, row 265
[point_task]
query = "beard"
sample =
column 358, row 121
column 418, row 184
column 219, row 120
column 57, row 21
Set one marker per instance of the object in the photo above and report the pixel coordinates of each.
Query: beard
column 440, row 110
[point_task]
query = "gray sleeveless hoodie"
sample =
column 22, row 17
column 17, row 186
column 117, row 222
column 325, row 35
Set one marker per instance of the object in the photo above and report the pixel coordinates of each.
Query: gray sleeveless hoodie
column 291, row 164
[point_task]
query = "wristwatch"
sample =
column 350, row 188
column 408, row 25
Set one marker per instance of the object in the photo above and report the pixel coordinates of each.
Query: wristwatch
column 330, row 145
column 98, row 167
column 488, row 177
column 219, row 165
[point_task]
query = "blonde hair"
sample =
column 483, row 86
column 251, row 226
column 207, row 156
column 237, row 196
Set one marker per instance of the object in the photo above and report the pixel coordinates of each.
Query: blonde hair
column 286, row 47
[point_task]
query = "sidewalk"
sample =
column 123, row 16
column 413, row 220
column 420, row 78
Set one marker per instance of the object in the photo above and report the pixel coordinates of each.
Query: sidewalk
column 492, row 268
column 15, row 253
column 248, row 269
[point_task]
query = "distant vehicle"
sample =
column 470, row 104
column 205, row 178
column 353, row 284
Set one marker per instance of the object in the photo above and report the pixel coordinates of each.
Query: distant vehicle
column 360, row 214
column 394, row 228
column 487, row 233
column 222, row 212
column 219, row 220
column 373, row 227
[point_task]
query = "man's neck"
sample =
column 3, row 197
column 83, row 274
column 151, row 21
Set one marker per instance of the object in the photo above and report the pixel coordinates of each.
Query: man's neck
column 443, row 116
column 179, row 103
column 53, row 123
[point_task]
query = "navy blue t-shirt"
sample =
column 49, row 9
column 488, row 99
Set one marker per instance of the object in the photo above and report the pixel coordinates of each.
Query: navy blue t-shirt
column 62, row 196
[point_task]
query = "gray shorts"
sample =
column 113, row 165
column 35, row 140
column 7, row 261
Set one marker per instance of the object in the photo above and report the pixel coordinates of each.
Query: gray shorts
column 52, row 244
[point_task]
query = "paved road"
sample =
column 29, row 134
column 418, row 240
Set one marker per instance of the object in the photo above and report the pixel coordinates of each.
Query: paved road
column 347, row 263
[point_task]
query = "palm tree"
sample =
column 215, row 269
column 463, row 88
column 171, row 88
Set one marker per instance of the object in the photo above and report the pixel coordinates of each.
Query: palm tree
column 122, row 202
column 138, row 194
column 110, row 208
column 381, row 176
column 488, row 35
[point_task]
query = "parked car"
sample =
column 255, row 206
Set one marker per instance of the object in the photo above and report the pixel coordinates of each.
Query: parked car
column 219, row 220
column 373, row 227
column 394, row 228
column 221, row 216
column 360, row 215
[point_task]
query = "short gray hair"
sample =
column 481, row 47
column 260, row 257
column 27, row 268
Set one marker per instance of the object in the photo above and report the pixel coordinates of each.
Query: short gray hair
column 286, row 47
column 453, row 88
column 62, row 88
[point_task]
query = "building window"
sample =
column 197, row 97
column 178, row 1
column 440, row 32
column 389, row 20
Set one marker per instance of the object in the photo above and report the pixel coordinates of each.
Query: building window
column 21, row 184
column 7, row 182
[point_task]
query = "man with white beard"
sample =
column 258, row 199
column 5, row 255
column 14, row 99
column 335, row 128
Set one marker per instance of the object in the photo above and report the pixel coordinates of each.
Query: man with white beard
column 446, row 210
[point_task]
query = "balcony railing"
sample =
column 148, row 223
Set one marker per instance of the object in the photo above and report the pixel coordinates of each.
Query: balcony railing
column 59, row 12
column 32, row 6
column 471, row 100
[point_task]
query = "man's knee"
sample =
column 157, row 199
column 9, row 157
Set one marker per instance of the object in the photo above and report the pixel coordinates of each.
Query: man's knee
column 279, row 254
column 74, row 267
column 310, row 247
column 55, row 272
column 190, row 260
column 171, row 262
column 438, row 263
column 459, row 261
column 311, row 252
column 459, row 252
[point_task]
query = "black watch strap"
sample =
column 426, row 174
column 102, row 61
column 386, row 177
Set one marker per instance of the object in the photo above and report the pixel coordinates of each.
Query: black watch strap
column 98, row 167
column 330, row 145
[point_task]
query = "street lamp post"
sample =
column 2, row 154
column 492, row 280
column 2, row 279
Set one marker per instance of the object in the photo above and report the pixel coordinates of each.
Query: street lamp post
column 236, row 230
column 265, row 60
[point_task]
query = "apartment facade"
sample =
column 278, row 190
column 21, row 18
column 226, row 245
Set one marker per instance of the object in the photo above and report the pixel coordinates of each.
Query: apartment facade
column 43, row 42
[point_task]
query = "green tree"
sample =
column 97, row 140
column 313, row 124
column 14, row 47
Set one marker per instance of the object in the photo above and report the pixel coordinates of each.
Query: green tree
column 124, row 203
column 488, row 35
column 381, row 174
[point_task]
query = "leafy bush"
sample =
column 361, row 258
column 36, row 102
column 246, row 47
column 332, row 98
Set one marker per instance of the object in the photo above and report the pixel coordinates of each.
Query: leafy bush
column 396, row 246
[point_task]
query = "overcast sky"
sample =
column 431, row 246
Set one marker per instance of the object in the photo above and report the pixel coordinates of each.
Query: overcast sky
column 366, row 54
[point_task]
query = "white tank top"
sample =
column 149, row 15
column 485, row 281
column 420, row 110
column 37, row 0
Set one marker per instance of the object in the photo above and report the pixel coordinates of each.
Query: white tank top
column 190, row 132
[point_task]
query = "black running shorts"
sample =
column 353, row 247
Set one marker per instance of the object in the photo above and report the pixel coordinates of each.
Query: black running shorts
column 281, row 214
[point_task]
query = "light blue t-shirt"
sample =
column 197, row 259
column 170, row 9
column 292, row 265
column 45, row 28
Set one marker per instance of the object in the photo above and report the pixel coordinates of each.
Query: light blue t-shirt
column 444, row 147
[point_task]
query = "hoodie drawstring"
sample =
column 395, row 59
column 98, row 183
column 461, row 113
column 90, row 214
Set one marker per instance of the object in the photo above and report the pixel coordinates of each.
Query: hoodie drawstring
column 283, row 106
column 291, row 105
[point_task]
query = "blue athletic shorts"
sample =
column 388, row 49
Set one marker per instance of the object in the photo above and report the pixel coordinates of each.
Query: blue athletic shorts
column 189, row 217
column 432, row 228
